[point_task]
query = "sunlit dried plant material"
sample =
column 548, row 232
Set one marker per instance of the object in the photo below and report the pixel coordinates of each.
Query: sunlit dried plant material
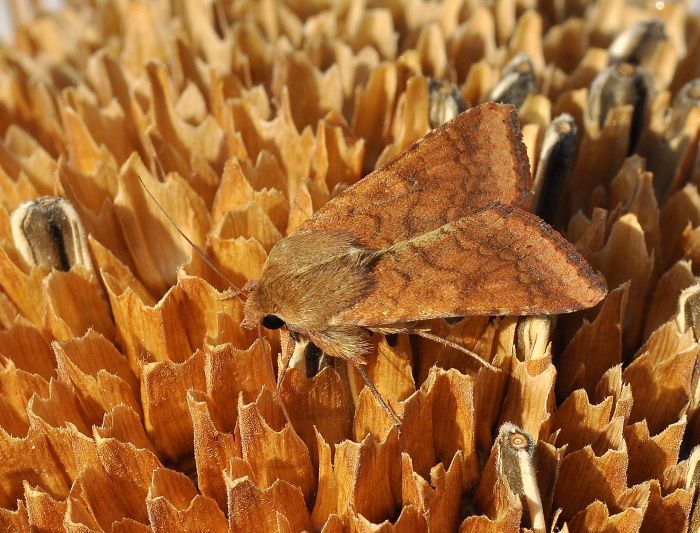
column 637, row 42
column 554, row 163
column 670, row 144
column 128, row 393
column 667, row 511
column 651, row 456
column 173, row 500
column 446, row 102
column 516, row 450
column 437, row 498
column 48, row 234
column 517, row 81
column 658, row 375
column 604, row 336
column 274, row 455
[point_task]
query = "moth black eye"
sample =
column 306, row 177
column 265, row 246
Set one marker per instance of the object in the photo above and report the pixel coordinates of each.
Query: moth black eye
column 272, row 322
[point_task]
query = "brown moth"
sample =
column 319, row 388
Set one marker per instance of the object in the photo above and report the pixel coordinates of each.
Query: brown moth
column 442, row 230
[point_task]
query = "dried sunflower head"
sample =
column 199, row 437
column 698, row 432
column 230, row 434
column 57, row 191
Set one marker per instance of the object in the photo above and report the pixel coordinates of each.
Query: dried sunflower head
column 131, row 399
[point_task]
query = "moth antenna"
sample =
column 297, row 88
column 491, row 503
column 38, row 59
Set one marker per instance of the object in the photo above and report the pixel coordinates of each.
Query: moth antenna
column 278, row 396
column 378, row 396
column 427, row 335
column 199, row 250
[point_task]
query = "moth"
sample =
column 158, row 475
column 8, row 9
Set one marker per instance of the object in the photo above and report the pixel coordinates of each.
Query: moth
column 442, row 230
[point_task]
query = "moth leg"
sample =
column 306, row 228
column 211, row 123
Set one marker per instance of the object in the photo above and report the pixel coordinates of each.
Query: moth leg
column 427, row 335
column 377, row 395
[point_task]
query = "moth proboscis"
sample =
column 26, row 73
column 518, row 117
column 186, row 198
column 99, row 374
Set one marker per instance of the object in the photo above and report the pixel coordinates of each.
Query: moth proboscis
column 442, row 230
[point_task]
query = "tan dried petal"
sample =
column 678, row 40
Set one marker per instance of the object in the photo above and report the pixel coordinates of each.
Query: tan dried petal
column 670, row 150
column 20, row 457
column 661, row 387
column 443, row 408
column 579, row 423
column 252, row 509
column 502, row 509
column 241, row 259
column 372, row 116
column 155, row 245
column 338, row 154
column 144, row 39
column 411, row 118
column 165, row 385
column 362, row 478
column 596, row 347
column 608, row 147
column 669, row 512
column 123, row 424
column 474, row 40
column 68, row 295
column 234, row 192
column 31, row 156
column 28, row 349
column 598, row 517
column 651, row 456
column 173, row 504
column 664, row 303
column 627, row 257
column 18, row 387
column 565, row 44
column 278, row 136
column 212, row 449
column 249, row 222
column 530, row 397
column 679, row 211
column 584, row 478
column 99, row 374
column 84, row 154
column 313, row 92
column 474, row 333
column 527, row 38
column 23, row 289
column 319, row 404
column 439, row 499
column 117, row 487
column 274, row 455
column 148, row 333
column 43, row 512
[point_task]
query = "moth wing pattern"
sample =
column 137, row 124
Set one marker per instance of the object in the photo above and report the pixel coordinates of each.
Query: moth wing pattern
column 473, row 160
column 497, row 260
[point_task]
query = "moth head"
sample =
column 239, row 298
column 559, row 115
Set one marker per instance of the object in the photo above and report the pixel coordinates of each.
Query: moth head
column 257, row 310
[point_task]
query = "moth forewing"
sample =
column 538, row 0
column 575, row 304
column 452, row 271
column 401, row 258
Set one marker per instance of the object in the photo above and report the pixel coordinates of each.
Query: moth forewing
column 497, row 260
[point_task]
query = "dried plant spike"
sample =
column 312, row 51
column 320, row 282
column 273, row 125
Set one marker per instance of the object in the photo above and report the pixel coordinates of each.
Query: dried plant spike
column 685, row 100
column 444, row 102
column 195, row 247
column 307, row 151
column 516, row 464
column 517, row 81
column 554, row 164
column 620, row 85
column 48, row 234
column 689, row 310
column 692, row 483
column 688, row 96
column 533, row 336
column 637, row 42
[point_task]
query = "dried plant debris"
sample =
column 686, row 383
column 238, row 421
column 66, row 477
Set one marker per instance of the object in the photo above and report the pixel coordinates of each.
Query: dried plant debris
column 131, row 397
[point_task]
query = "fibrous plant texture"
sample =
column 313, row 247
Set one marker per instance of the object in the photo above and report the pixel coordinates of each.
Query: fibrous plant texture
column 131, row 399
